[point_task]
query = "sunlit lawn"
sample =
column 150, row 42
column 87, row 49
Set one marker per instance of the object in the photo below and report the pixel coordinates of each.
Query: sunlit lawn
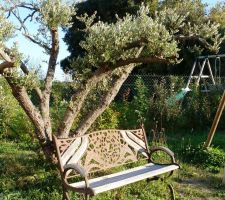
column 24, row 175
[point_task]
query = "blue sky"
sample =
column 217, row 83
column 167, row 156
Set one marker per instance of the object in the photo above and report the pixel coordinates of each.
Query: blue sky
column 36, row 54
column 211, row 2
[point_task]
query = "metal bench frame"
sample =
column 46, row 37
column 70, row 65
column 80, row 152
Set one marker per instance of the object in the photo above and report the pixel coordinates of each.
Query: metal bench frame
column 104, row 150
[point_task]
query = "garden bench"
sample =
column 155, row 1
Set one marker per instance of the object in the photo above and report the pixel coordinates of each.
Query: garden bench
column 100, row 151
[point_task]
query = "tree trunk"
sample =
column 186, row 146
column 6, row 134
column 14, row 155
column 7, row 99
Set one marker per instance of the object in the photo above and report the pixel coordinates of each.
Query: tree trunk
column 45, row 112
column 20, row 93
column 107, row 98
column 223, row 181
column 104, row 102
column 77, row 102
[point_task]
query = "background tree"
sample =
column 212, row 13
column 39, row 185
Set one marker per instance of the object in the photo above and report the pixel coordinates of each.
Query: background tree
column 104, row 66
column 217, row 15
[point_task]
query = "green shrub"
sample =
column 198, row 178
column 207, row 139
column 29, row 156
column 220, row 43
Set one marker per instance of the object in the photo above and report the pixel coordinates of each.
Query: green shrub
column 141, row 99
column 161, row 112
column 107, row 120
column 211, row 159
column 199, row 109
column 14, row 123
column 131, row 114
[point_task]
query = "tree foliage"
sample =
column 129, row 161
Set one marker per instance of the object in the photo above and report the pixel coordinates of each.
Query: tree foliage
column 120, row 41
column 217, row 14
column 105, row 11
column 196, row 23
column 197, row 20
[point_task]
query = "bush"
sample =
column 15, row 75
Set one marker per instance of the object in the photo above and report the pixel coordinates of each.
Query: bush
column 131, row 114
column 199, row 109
column 107, row 120
column 211, row 159
column 14, row 123
column 161, row 111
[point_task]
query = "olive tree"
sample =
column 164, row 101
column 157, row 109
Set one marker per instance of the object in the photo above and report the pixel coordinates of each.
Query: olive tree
column 49, row 15
column 111, row 53
column 106, row 11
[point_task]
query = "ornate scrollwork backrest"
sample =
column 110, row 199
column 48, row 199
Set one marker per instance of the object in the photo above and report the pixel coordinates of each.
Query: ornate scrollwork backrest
column 103, row 149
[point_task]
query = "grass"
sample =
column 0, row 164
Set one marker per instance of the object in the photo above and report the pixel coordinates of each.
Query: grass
column 24, row 175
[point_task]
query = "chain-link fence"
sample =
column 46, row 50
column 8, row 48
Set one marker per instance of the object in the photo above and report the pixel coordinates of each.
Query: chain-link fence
column 170, row 80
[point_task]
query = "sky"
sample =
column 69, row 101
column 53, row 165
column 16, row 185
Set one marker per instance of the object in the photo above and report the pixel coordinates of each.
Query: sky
column 37, row 55
column 211, row 2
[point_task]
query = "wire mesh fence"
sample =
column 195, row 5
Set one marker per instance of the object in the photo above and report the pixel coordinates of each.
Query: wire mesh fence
column 175, row 81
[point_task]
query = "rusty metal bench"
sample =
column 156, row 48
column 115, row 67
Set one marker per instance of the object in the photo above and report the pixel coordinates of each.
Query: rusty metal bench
column 102, row 150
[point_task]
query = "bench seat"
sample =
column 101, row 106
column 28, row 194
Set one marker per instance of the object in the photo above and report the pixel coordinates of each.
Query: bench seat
column 116, row 180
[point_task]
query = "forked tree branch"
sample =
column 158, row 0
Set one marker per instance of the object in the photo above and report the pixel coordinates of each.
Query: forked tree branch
column 107, row 98
column 21, row 95
column 39, row 43
column 104, row 102
column 78, row 100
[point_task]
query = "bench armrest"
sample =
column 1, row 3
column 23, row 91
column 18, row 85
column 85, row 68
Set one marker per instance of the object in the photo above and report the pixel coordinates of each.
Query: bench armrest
column 164, row 149
column 78, row 168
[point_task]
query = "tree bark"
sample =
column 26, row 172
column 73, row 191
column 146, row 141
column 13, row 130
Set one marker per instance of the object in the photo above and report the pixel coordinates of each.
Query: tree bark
column 104, row 102
column 20, row 93
column 77, row 102
column 45, row 99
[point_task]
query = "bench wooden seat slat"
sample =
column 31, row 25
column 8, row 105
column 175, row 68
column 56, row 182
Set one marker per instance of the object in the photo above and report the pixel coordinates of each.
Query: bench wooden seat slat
column 116, row 180
column 134, row 141
column 80, row 151
column 70, row 151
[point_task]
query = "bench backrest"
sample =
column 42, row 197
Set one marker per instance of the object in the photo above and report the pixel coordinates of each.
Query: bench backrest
column 103, row 149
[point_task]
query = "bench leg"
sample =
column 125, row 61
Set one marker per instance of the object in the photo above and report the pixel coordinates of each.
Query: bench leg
column 170, row 186
column 65, row 194
column 86, row 196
